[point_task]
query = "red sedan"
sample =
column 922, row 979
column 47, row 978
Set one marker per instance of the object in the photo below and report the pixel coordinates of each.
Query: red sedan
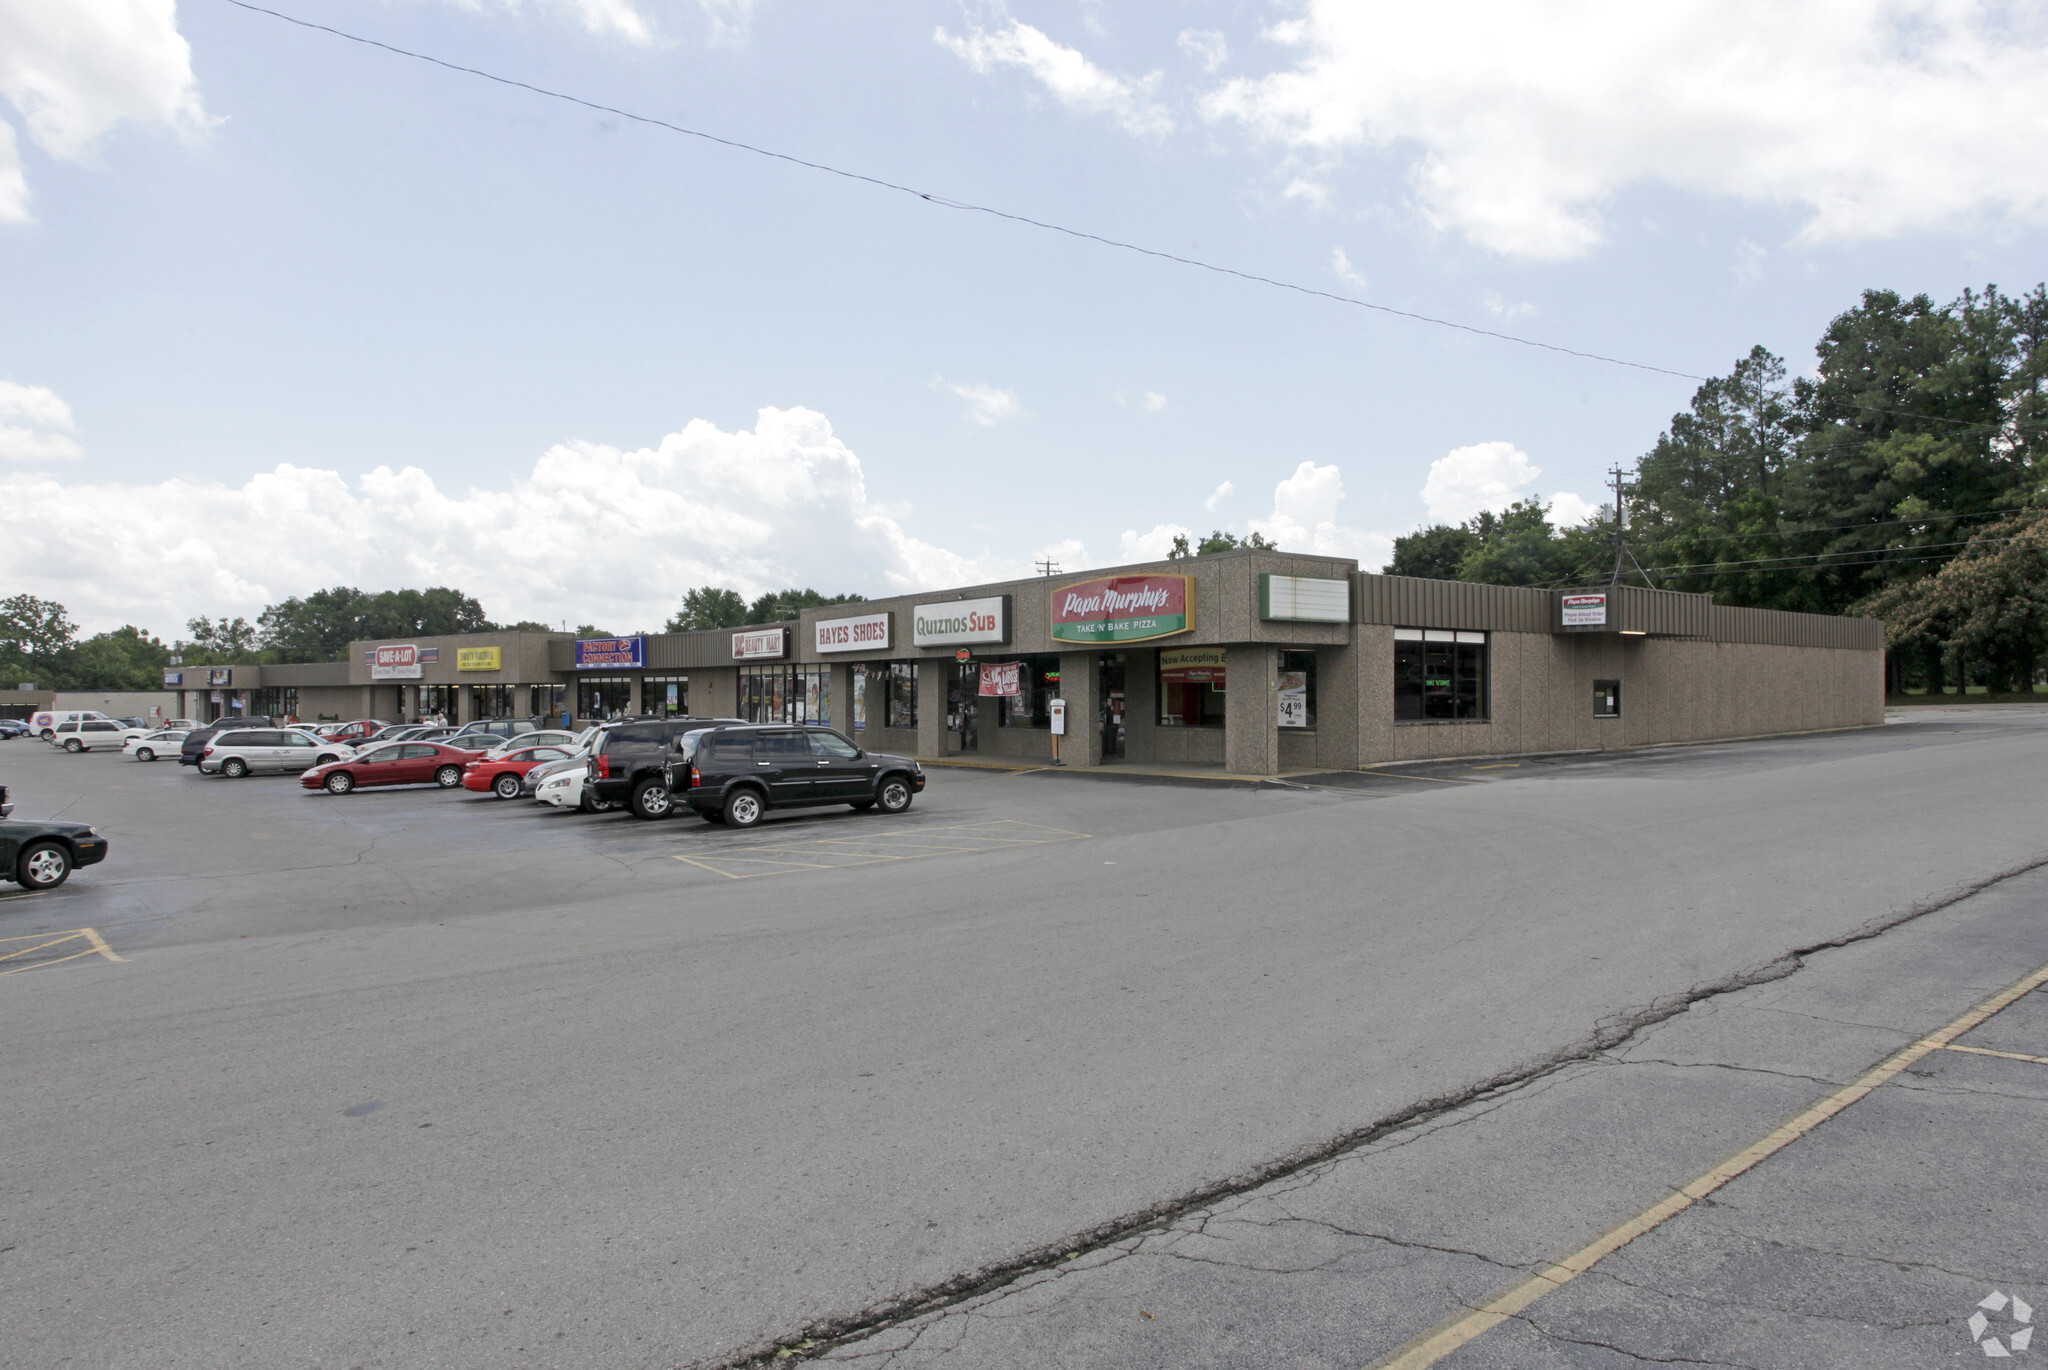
column 353, row 733
column 393, row 763
column 501, row 775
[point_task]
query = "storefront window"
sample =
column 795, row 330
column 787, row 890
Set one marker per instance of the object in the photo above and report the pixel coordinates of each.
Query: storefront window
column 785, row 694
column 1191, row 687
column 438, row 701
column 902, row 710
column 492, row 701
column 276, row 701
column 860, row 698
column 1439, row 674
column 665, row 696
column 603, row 696
column 1038, row 684
column 545, row 701
column 1297, row 689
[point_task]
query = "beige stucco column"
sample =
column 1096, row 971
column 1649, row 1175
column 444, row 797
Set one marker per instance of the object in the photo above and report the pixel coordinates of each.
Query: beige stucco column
column 934, row 674
column 1081, row 687
column 1251, row 727
column 839, row 706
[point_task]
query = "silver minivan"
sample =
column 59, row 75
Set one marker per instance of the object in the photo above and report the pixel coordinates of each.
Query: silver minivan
column 247, row 750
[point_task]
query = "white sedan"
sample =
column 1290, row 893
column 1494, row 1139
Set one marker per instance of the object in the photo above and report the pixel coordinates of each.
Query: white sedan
column 543, row 737
column 150, row 746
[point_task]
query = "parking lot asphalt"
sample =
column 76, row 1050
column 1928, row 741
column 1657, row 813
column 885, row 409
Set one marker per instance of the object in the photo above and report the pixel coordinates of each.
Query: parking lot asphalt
column 422, row 1078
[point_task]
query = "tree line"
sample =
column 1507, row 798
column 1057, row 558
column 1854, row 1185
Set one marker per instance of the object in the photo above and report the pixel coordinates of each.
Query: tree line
column 1901, row 479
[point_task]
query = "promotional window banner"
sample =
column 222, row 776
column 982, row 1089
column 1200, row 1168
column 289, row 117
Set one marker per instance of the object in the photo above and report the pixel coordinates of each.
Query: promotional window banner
column 597, row 653
column 867, row 632
column 1123, row 609
column 960, row 622
column 1585, row 611
column 173, row 679
column 1001, row 678
column 1192, row 666
column 395, row 663
column 222, row 676
column 760, row 644
column 1304, row 599
column 1293, row 699
column 479, row 658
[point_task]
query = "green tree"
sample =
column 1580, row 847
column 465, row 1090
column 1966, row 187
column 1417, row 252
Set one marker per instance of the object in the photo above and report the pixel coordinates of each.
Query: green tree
column 318, row 627
column 782, row 605
column 1518, row 546
column 1223, row 541
column 34, row 634
column 1434, row 553
column 1983, row 612
column 706, row 607
column 219, row 641
column 125, row 659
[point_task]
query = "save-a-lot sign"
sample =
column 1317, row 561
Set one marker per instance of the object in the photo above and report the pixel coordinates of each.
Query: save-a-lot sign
column 1123, row 609
column 394, row 663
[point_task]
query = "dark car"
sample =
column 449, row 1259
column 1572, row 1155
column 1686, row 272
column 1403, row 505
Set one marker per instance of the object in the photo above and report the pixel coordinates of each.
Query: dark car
column 392, row 763
column 626, row 762
column 11, row 728
column 194, row 745
column 734, row 775
column 40, row 855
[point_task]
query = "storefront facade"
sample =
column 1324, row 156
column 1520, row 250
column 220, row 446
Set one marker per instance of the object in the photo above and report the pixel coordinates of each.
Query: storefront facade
column 1251, row 662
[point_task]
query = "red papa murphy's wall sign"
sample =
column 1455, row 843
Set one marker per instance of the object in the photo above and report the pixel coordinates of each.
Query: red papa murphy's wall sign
column 1123, row 609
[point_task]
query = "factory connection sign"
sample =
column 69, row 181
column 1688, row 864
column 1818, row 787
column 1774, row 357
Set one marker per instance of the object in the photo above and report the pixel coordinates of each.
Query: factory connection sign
column 1123, row 609
column 595, row 652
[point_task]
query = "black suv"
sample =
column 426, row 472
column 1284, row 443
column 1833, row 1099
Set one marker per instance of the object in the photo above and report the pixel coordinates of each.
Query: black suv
column 735, row 774
column 626, row 762
column 194, row 745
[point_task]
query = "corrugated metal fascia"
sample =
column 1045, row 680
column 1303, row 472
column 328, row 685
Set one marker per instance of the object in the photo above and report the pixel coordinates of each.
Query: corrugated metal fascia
column 1416, row 602
column 1664, row 613
column 1782, row 628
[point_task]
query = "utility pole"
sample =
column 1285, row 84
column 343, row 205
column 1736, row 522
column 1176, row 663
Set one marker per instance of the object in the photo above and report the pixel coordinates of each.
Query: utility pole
column 1620, row 528
column 1048, row 567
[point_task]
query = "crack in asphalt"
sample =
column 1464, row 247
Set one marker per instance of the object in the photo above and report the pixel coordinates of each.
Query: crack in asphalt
column 827, row 1334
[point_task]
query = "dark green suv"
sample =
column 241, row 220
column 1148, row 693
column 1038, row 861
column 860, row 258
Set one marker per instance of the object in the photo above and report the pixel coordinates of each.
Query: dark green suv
column 734, row 775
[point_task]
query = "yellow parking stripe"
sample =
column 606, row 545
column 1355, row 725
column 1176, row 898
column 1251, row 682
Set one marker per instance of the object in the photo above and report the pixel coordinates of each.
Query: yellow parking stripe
column 2008, row 1055
column 96, row 945
column 1433, row 1345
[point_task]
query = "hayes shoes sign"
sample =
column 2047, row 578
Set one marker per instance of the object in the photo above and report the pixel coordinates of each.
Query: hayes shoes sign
column 1123, row 609
column 868, row 632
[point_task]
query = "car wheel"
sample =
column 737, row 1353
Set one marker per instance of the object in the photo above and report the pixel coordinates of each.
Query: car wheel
column 651, row 799
column 144, row 754
column 744, row 808
column 338, row 782
column 327, row 760
column 44, row 866
column 506, row 786
column 895, row 795
column 72, row 744
column 448, row 777
column 47, row 734
column 234, row 768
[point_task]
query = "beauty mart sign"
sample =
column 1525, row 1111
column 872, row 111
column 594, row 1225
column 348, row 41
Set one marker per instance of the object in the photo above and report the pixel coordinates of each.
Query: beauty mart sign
column 866, row 632
column 961, row 622
column 761, row 644
column 1123, row 609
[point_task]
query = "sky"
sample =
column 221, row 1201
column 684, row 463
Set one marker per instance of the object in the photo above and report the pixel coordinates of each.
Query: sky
column 280, row 310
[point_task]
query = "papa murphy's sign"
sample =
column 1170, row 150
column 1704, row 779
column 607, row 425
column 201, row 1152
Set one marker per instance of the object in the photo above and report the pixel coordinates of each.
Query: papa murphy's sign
column 1123, row 609
column 960, row 622
column 1584, row 611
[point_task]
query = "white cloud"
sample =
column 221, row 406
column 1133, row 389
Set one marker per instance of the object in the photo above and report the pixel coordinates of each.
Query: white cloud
column 730, row 20
column 1152, row 546
column 1340, row 262
column 1874, row 120
column 1152, row 402
column 1492, row 475
column 592, row 533
column 1504, row 311
column 1072, row 79
column 1217, row 496
column 987, row 405
column 75, row 70
column 1304, row 519
column 1207, row 47
column 35, row 424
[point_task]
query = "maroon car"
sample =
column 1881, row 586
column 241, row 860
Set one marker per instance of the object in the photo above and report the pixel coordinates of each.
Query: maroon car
column 353, row 733
column 393, row 763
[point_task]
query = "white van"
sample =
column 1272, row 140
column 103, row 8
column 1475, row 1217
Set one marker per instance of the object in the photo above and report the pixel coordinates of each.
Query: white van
column 45, row 723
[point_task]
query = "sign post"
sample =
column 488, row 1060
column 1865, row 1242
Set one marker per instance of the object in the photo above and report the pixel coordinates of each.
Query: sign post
column 1057, row 708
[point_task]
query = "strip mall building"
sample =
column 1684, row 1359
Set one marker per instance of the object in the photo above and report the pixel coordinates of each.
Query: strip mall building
column 1253, row 662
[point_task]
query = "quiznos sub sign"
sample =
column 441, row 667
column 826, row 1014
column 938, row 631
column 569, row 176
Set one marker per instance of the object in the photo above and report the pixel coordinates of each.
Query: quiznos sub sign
column 960, row 622
column 1123, row 609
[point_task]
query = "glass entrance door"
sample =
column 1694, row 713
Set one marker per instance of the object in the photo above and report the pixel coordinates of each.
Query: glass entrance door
column 966, row 703
column 1111, row 705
